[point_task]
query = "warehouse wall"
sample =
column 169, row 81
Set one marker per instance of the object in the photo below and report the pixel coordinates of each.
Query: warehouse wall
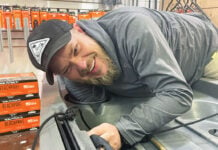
column 210, row 7
column 73, row 4
column 82, row 4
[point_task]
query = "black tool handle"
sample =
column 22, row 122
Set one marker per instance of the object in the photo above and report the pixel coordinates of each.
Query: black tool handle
column 99, row 142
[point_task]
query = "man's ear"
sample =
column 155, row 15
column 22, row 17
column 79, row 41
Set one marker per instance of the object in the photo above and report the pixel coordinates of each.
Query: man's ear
column 77, row 27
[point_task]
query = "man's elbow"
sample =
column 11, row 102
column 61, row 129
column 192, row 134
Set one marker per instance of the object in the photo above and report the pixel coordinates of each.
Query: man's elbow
column 187, row 98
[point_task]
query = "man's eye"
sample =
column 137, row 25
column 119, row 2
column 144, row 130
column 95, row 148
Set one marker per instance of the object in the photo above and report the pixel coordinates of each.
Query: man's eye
column 75, row 51
column 67, row 70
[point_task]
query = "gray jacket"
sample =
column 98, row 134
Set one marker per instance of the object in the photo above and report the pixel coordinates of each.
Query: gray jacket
column 158, row 54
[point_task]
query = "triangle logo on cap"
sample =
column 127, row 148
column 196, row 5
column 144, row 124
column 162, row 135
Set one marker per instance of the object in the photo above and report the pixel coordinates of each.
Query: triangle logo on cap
column 37, row 48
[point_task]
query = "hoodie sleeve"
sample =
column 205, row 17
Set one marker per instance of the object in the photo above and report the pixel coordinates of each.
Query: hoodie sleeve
column 156, row 67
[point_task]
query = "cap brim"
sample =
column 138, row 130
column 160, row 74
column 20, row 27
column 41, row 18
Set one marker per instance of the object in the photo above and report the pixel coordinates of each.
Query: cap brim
column 50, row 77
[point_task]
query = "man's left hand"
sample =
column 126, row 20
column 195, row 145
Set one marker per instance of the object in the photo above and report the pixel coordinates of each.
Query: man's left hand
column 108, row 132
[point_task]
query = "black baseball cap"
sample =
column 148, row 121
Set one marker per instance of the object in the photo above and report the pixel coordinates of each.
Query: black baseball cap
column 45, row 41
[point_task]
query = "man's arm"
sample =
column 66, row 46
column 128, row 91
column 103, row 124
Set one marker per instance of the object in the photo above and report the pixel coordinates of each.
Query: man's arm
column 158, row 69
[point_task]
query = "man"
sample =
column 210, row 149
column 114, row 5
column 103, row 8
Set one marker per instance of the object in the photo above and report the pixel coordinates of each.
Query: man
column 131, row 52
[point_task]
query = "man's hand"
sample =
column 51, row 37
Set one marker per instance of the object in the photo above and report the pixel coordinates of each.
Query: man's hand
column 108, row 132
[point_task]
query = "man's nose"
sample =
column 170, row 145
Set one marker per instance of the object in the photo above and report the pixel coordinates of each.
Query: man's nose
column 81, row 65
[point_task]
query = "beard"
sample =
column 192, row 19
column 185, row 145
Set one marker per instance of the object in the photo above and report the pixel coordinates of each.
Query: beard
column 106, row 79
column 109, row 77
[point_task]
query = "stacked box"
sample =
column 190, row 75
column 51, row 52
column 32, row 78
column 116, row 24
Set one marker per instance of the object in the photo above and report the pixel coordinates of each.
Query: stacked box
column 19, row 103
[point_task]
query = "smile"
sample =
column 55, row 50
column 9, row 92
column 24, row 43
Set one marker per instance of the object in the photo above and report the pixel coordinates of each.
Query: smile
column 93, row 66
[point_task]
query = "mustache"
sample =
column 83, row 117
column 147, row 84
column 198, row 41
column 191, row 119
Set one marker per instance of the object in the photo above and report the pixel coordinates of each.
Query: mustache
column 107, row 79
column 84, row 72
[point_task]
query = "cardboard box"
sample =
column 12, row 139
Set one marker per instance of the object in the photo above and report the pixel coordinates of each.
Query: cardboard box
column 18, row 84
column 20, row 103
column 19, row 122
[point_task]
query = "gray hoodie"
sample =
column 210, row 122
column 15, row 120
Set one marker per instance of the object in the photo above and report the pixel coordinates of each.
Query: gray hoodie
column 158, row 54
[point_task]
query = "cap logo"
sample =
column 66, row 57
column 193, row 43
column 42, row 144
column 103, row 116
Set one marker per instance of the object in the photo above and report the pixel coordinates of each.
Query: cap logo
column 37, row 47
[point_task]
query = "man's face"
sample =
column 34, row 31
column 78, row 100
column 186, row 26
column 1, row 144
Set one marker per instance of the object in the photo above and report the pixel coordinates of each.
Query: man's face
column 83, row 60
